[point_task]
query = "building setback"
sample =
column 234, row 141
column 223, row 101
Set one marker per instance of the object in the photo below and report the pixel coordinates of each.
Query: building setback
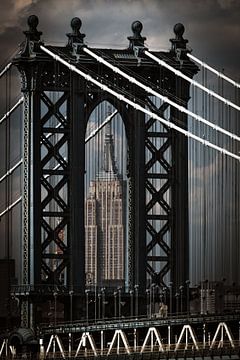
column 105, row 224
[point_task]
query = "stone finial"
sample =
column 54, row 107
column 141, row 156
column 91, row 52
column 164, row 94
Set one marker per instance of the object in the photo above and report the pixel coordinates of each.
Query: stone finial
column 75, row 36
column 33, row 34
column 136, row 39
column 31, row 45
column 179, row 42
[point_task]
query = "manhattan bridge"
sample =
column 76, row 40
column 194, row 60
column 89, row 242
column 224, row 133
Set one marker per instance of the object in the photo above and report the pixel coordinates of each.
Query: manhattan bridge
column 119, row 201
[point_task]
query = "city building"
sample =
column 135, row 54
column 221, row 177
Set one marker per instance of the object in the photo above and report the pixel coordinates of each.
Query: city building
column 105, row 223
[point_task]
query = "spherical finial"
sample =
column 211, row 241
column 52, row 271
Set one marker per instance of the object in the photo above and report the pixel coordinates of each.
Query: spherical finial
column 137, row 27
column 76, row 24
column 179, row 30
column 75, row 36
column 137, row 39
column 33, row 22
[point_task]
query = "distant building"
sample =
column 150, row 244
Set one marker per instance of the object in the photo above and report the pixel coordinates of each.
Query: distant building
column 105, row 224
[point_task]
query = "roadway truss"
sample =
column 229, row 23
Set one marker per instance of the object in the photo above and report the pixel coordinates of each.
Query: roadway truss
column 205, row 336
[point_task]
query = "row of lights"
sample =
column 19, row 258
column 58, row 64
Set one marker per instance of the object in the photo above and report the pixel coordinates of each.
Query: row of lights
column 134, row 305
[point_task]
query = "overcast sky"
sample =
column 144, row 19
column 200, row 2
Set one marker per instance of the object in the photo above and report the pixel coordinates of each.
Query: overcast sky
column 212, row 26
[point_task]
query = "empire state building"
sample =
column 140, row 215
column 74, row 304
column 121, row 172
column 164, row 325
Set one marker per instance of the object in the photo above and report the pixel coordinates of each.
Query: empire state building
column 105, row 224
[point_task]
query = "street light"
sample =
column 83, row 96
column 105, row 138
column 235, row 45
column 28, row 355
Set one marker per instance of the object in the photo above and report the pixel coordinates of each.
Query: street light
column 87, row 292
column 99, row 305
column 119, row 301
column 171, row 295
column 177, row 300
column 95, row 302
column 136, row 299
column 188, row 298
column 181, row 298
column 131, row 302
column 103, row 302
column 55, row 308
column 71, row 305
column 152, row 298
column 148, row 296
column 115, row 304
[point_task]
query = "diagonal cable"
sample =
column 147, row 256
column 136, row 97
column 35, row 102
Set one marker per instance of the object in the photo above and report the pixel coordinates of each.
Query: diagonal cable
column 191, row 81
column 218, row 73
column 162, row 97
column 7, row 67
column 8, row 113
column 136, row 106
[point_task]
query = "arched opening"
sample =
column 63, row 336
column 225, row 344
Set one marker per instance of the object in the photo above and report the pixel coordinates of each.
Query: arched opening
column 106, row 199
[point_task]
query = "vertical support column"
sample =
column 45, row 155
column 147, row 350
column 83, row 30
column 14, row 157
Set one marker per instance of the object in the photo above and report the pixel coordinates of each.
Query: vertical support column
column 76, row 191
column 31, row 198
column 180, row 89
column 137, row 231
column 35, row 186
column 180, row 250
column 102, row 342
column 25, row 208
column 31, row 241
column 134, row 340
column 29, row 73
column 169, row 337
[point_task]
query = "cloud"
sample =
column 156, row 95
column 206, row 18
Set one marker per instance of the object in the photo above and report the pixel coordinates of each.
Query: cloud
column 226, row 4
column 11, row 13
column 212, row 26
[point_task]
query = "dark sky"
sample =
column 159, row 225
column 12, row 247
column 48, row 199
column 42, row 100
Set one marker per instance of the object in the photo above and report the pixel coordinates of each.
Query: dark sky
column 212, row 26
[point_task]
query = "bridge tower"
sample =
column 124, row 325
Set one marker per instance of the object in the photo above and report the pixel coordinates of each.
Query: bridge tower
column 57, row 105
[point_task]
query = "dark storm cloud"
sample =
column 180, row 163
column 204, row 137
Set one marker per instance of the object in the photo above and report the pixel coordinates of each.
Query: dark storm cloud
column 212, row 26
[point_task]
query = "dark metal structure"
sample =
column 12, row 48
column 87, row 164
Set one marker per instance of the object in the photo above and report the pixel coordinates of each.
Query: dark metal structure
column 56, row 110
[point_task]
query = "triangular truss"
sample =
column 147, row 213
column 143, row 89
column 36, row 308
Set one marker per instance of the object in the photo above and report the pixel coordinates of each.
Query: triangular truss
column 83, row 343
column 154, row 337
column 222, row 327
column 5, row 348
column 118, row 337
column 53, row 342
column 189, row 333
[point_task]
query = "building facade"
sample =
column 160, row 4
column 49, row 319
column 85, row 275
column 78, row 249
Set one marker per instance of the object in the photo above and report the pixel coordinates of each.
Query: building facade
column 105, row 223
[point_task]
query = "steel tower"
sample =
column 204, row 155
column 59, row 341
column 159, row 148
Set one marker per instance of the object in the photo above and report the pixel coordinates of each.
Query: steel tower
column 57, row 106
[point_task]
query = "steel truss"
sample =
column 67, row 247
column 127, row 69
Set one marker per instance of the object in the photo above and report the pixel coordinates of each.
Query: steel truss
column 202, row 338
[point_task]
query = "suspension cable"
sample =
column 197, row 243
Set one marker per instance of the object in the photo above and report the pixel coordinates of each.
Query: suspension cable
column 8, row 113
column 10, row 206
column 105, row 122
column 10, row 171
column 218, row 73
column 162, row 97
column 191, row 81
column 7, row 67
column 137, row 106
column 91, row 135
column 143, row 79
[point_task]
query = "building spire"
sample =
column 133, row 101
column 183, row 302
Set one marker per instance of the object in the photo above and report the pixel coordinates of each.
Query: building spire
column 109, row 162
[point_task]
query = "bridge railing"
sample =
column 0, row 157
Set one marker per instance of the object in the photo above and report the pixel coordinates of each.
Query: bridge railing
column 133, row 321
column 169, row 352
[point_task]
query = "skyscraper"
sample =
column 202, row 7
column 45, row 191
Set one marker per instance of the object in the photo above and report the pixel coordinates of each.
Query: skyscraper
column 105, row 223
